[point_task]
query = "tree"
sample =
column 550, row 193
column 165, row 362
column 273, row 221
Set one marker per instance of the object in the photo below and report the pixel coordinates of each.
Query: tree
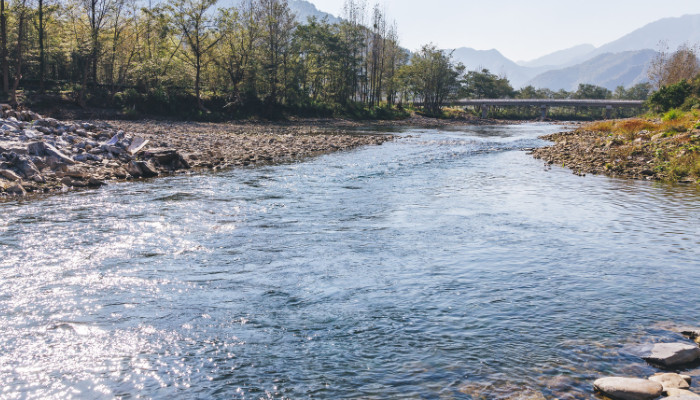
column 278, row 24
column 22, row 13
column 670, row 68
column 639, row 91
column 197, row 28
column 3, row 49
column 241, row 33
column 485, row 85
column 433, row 77
column 588, row 91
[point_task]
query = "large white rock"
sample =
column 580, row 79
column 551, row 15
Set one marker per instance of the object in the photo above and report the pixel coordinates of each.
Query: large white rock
column 670, row 381
column 672, row 354
column 628, row 388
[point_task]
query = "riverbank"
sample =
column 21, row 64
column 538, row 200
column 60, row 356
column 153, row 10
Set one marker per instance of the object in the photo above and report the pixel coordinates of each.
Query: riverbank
column 45, row 155
column 662, row 149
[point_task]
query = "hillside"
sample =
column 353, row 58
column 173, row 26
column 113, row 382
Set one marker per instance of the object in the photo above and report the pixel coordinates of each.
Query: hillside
column 497, row 63
column 562, row 58
column 673, row 31
column 608, row 70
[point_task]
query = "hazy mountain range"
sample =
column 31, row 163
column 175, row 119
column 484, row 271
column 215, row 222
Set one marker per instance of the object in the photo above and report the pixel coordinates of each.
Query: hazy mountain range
column 623, row 62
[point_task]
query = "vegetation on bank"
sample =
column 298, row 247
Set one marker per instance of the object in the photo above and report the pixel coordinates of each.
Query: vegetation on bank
column 669, row 144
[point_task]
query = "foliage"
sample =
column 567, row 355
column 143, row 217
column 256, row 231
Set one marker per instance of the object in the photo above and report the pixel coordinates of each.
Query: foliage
column 485, row 85
column 587, row 91
column 673, row 96
column 433, row 77
column 667, row 68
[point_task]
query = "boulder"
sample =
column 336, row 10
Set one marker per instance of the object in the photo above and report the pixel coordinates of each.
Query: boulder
column 147, row 169
column 16, row 189
column 133, row 169
column 9, row 175
column 671, row 354
column 168, row 158
column 44, row 149
column 670, row 381
column 628, row 388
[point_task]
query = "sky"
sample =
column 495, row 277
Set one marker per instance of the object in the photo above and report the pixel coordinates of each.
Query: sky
column 521, row 30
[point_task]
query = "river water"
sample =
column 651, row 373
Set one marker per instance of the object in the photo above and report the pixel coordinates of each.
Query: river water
column 446, row 264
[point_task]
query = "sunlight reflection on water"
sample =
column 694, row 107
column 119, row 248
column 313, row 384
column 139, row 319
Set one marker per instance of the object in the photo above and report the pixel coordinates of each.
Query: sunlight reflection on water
column 446, row 264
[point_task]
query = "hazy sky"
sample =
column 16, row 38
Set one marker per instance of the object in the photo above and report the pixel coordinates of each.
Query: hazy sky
column 520, row 29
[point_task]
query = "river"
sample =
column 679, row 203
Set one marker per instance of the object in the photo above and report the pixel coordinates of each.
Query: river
column 448, row 263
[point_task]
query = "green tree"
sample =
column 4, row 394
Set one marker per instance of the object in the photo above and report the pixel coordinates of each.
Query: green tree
column 588, row 91
column 485, row 85
column 198, row 29
column 433, row 77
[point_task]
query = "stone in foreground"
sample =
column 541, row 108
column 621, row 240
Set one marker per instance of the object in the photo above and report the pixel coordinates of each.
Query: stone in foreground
column 682, row 394
column 672, row 354
column 671, row 381
column 628, row 388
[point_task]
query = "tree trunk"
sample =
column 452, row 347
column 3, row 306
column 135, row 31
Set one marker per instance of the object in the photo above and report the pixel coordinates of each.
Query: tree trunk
column 42, row 56
column 3, row 51
column 18, row 67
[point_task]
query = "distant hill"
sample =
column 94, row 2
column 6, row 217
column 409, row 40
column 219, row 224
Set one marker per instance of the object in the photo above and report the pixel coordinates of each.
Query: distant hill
column 301, row 8
column 621, row 62
column 608, row 70
column 496, row 63
column 562, row 58
column 674, row 31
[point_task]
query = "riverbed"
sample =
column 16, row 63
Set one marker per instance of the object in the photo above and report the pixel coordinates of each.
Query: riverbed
column 448, row 263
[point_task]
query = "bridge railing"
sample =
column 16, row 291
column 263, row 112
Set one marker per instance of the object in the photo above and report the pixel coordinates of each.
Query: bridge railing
column 545, row 104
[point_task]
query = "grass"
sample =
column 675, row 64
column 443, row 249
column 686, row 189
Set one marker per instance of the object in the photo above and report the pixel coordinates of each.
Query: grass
column 670, row 141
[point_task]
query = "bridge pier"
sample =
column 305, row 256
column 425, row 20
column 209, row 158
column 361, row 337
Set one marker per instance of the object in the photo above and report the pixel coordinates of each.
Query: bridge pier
column 608, row 112
column 543, row 112
column 484, row 111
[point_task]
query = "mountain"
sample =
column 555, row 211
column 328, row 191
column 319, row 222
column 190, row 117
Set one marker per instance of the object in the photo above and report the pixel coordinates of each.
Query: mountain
column 301, row 8
column 609, row 70
column 674, row 31
column 304, row 9
column 562, row 58
column 496, row 63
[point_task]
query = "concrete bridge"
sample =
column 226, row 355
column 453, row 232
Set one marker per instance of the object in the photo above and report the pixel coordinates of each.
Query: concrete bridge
column 545, row 104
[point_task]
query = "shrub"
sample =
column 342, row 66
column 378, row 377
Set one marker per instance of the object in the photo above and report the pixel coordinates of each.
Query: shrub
column 672, row 96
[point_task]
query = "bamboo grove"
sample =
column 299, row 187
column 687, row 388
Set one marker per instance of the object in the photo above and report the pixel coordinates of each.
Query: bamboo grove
column 197, row 56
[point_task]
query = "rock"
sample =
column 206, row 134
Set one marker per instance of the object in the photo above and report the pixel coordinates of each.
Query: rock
column 628, row 388
column 9, row 175
column 682, row 394
column 16, row 189
column 137, row 145
column 53, row 152
column 94, row 182
column 133, row 169
column 45, row 149
column 670, row 381
column 672, row 354
column 147, row 169
column 23, row 165
column 168, row 158
column 36, row 149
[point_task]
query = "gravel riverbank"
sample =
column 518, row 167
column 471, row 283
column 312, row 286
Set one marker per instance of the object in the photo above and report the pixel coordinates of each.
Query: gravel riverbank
column 44, row 155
